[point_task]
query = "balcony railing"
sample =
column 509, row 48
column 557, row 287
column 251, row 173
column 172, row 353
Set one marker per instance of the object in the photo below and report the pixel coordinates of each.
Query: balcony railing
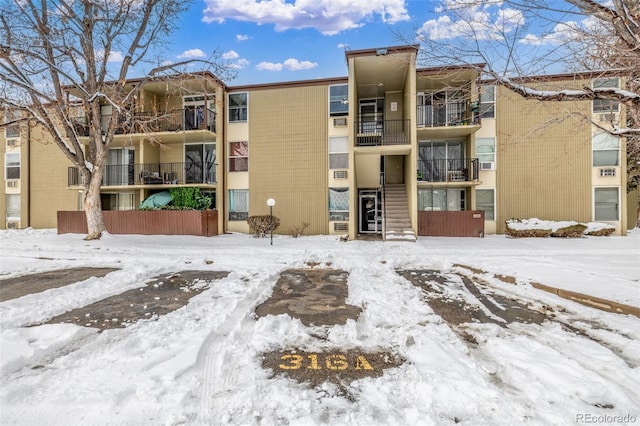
column 448, row 114
column 152, row 174
column 382, row 132
column 189, row 118
column 448, row 170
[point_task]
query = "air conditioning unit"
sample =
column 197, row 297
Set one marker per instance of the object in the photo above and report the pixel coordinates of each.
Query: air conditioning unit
column 487, row 165
column 340, row 174
column 12, row 143
column 609, row 117
column 341, row 226
column 607, row 172
column 12, row 224
column 13, row 183
column 340, row 122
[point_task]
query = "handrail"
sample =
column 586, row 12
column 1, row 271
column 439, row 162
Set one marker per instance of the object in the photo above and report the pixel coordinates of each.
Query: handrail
column 384, row 206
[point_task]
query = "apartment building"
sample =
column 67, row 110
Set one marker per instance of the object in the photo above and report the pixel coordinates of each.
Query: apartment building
column 391, row 151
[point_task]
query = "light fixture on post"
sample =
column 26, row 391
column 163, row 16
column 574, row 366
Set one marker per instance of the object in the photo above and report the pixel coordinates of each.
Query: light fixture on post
column 271, row 202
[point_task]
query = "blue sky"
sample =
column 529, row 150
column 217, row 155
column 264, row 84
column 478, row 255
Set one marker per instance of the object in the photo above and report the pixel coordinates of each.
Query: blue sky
column 273, row 45
column 284, row 40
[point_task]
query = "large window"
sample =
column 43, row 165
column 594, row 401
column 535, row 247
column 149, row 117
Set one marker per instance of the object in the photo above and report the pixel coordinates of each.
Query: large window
column 238, row 204
column 339, row 100
column 13, row 207
column 12, row 166
column 199, row 163
column 606, row 204
column 605, row 150
column 238, row 107
column 486, row 150
column 440, row 161
column 338, row 203
column 238, row 156
column 485, row 200
column 339, row 153
column 487, row 101
column 452, row 199
column 606, row 105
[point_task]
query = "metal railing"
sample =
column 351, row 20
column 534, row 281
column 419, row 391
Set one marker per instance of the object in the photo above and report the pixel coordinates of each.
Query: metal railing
column 448, row 170
column 446, row 115
column 382, row 132
column 190, row 118
column 151, row 174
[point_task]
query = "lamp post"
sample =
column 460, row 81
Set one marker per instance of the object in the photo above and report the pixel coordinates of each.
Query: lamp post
column 271, row 202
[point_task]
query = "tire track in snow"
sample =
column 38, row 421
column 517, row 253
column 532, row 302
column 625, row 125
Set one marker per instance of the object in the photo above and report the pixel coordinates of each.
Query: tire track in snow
column 220, row 352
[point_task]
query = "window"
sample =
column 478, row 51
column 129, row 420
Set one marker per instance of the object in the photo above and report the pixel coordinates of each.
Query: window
column 436, row 200
column 12, row 131
column 338, row 203
column 486, row 150
column 12, row 165
column 238, row 156
column 605, row 105
column 487, row 101
column 118, row 201
column 339, row 100
column 605, row 150
column 238, row 204
column 200, row 163
column 238, row 109
column 339, row 153
column 13, row 206
column 606, row 204
column 485, row 200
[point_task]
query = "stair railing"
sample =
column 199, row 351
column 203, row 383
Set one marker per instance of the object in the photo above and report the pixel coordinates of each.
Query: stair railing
column 384, row 207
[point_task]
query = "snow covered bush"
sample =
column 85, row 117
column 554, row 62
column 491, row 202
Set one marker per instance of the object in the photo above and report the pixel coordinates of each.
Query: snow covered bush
column 259, row 225
column 534, row 227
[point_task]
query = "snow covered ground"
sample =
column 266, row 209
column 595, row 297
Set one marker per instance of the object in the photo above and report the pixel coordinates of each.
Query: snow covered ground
column 201, row 364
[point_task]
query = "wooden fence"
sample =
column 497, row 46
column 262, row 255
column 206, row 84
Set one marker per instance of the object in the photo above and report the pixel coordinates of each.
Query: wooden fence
column 451, row 224
column 145, row 222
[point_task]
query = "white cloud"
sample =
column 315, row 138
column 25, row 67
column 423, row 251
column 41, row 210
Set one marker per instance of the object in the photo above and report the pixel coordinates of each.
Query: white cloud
column 295, row 65
column 191, row 54
column 562, row 33
column 327, row 16
column 115, row 56
column 242, row 37
column 342, row 46
column 473, row 22
column 240, row 64
column 269, row 66
column 232, row 54
column 290, row 64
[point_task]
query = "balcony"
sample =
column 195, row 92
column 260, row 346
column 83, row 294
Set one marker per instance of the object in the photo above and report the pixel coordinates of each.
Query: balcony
column 151, row 174
column 447, row 115
column 382, row 132
column 448, row 170
column 190, row 118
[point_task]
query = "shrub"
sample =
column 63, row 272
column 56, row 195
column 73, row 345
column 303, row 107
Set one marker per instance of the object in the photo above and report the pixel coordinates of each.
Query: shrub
column 298, row 230
column 189, row 199
column 259, row 225
column 571, row 231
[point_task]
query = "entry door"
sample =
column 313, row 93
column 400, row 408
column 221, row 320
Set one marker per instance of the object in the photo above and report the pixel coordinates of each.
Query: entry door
column 370, row 212
column 371, row 115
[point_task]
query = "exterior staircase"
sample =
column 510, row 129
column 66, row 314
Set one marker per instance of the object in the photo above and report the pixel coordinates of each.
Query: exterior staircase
column 397, row 223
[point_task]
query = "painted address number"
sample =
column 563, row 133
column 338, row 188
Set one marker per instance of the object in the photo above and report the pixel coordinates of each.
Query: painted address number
column 331, row 362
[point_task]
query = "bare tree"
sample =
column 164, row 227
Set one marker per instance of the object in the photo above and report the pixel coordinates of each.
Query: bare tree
column 60, row 56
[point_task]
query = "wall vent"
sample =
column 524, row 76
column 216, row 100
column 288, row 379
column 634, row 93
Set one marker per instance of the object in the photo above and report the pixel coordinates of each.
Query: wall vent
column 13, row 183
column 340, row 122
column 341, row 226
column 340, row 174
column 487, row 165
column 12, row 143
column 13, row 224
column 607, row 172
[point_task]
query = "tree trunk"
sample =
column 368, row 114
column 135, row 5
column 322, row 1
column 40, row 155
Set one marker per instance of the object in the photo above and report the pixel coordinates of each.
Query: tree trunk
column 93, row 208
